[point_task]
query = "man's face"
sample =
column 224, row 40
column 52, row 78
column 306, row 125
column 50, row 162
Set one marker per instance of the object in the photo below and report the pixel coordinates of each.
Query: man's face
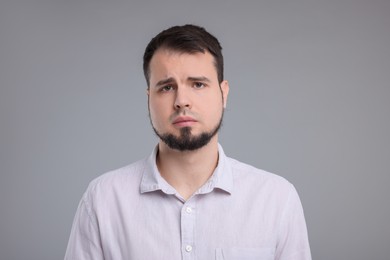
column 186, row 102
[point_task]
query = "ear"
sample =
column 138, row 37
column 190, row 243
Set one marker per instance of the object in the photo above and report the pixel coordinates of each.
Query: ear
column 225, row 91
column 148, row 91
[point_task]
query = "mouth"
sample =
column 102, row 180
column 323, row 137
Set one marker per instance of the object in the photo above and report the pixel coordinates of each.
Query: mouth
column 182, row 121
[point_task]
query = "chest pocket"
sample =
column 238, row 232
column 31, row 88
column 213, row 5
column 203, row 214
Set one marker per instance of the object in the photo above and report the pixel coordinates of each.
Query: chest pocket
column 244, row 254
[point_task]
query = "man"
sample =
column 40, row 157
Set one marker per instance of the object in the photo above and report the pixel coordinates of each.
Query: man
column 188, row 200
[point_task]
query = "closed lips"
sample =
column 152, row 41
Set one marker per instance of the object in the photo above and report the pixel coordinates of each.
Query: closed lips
column 183, row 119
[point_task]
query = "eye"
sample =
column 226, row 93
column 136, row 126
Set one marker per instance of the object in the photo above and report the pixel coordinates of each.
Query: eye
column 199, row 85
column 166, row 88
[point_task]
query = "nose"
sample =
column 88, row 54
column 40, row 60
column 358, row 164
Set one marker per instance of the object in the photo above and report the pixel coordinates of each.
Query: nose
column 182, row 99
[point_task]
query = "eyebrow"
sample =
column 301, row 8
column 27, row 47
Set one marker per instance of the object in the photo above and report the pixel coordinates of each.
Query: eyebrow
column 164, row 82
column 193, row 79
column 204, row 79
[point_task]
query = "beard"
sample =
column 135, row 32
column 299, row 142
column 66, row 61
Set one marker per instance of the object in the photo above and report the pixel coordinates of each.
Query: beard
column 186, row 141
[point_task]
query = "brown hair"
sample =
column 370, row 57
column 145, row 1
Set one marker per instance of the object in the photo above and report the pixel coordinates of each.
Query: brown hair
column 187, row 39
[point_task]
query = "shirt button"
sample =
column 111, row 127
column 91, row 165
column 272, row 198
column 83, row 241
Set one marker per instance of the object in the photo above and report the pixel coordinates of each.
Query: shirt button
column 188, row 248
column 188, row 210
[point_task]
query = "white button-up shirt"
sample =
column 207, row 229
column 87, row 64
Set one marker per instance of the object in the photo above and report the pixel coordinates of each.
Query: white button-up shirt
column 240, row 213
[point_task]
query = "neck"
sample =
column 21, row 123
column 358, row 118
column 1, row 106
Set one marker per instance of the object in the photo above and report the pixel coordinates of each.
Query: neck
column 187, row 171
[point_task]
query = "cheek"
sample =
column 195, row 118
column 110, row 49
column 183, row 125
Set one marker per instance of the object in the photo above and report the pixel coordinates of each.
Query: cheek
column 213, row 112
column 154, row 111
column 158, row 111
column 217, row 113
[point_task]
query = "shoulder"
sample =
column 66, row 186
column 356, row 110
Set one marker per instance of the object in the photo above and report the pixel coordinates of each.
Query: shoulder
column 249, row 177
column 243, row 170
column 126, row 178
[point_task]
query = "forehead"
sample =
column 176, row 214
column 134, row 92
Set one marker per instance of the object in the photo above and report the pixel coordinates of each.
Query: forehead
column 169, row 63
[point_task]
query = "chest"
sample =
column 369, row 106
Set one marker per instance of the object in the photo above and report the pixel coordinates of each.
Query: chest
column 204, row 227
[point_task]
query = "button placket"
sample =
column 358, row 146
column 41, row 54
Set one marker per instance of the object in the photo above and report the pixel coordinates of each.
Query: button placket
column 188, row 220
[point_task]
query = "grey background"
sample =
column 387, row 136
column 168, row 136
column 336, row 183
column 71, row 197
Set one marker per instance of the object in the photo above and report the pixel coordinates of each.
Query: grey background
column 309, row 100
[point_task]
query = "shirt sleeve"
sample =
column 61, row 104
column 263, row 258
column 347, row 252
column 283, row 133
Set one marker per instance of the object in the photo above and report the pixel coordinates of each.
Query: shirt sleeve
column 84, row 242
column 293, row 242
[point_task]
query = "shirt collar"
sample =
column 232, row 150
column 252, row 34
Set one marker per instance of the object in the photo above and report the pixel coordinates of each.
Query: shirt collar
column 222, row 178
